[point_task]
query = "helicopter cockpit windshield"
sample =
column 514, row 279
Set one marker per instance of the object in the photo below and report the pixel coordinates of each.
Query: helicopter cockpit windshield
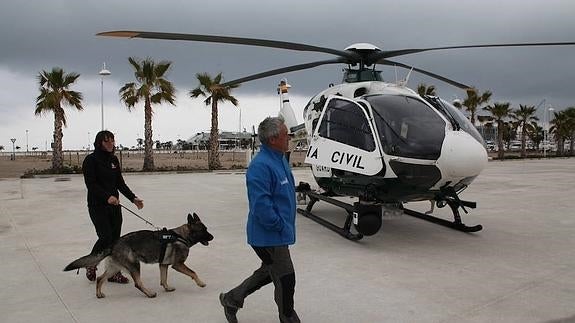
column 463, row 122
column 457, row 118
column 407, row 126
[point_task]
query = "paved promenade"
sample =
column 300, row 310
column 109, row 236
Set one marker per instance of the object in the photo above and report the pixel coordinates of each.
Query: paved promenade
column 520, row 268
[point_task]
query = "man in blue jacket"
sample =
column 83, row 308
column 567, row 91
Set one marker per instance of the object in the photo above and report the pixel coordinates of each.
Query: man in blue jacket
column 271, row 223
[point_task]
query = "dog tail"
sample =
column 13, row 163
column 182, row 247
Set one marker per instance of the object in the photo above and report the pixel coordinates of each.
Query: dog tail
column 88, row 260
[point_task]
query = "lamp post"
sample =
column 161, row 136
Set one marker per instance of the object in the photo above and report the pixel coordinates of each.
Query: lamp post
column 27, row 142
column 546, row 120
column 13, row 140
column 103, row 72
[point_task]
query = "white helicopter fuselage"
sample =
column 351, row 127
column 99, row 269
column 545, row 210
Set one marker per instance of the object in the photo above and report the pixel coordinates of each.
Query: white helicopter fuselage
column 387, row 131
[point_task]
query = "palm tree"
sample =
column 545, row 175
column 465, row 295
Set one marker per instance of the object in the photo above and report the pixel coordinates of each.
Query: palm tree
column 536, row 134
column 214, row 92
column 473, row 101
column 499, row 112
column 423, row 90
column 561, row 128
column 524, row 115
column 570, row 112
column 153, row 88
column 54, row 93
column 509, row 130
column 484, row 124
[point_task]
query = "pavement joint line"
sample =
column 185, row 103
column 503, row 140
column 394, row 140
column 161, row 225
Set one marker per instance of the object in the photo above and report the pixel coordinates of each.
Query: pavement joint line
column 16, row 228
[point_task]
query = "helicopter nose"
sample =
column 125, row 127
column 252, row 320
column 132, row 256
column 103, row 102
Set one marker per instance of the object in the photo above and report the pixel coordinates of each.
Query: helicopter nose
column 461, row 156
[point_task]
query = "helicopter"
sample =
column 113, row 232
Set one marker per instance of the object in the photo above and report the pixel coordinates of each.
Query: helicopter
column 377, row 141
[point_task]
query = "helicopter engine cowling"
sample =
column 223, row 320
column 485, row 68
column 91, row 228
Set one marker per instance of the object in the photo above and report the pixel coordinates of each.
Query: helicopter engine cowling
column 462, row 156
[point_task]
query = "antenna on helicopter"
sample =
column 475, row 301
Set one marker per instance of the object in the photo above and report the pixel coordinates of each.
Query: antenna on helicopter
column 403, row 82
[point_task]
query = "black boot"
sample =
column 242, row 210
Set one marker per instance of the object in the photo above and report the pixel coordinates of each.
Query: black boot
column 229, row 310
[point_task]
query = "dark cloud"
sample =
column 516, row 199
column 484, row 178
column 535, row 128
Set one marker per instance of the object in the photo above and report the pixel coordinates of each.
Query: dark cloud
column 50, row 33
column 38, row 34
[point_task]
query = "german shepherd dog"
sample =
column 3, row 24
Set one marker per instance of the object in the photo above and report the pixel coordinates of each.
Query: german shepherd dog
column 163, row 247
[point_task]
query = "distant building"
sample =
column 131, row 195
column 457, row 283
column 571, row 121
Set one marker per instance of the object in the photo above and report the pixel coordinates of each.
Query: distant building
column 228, row 140
column 199, row 141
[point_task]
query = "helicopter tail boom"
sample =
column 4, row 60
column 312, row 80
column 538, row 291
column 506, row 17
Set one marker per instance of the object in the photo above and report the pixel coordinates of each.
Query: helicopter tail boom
column 286, row 112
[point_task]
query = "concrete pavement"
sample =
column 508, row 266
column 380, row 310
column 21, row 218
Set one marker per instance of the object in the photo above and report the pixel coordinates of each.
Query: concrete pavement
column 520, row 268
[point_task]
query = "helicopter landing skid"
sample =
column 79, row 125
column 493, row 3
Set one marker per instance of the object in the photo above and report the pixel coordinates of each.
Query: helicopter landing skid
column 455, row 224
column 343, row 231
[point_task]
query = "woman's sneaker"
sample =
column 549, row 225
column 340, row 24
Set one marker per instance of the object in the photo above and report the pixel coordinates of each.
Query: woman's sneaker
column 91, row 273
column 119, row 278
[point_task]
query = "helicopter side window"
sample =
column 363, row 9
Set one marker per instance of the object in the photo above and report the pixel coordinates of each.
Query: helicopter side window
column 344, row 122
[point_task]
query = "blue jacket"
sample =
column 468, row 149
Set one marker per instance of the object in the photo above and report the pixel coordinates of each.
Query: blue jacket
column 271, row 196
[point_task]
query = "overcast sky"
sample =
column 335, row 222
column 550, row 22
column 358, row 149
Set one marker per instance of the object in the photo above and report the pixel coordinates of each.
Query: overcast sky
column 38, row 35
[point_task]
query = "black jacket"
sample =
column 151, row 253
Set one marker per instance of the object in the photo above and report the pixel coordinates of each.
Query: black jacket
column 103, row 178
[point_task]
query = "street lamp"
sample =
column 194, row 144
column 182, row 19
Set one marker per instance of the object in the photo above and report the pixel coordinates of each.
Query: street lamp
column 546, row 120
column 13, row 140
column 27, row 142
column 103, row 72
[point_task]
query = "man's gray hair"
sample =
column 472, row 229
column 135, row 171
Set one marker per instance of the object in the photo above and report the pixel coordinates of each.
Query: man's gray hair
column 269, row 128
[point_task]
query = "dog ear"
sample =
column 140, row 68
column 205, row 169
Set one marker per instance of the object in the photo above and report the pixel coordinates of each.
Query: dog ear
column 190, row 219
column 196, row 217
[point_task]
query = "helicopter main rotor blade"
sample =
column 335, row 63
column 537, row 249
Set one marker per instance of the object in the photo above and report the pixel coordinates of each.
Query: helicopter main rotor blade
column 230, row 40
column 393, row 53
column 285, row 70
column 439, row 77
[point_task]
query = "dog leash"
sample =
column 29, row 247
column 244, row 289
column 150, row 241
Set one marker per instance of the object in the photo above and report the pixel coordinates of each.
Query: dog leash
column 148, row 222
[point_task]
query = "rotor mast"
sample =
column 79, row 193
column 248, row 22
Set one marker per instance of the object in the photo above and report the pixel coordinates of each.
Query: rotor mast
column 362, row 74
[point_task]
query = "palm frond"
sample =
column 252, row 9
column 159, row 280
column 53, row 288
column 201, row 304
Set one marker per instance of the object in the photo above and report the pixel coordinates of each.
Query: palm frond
column 197, row 92
column 162, row 68
column 205, row 80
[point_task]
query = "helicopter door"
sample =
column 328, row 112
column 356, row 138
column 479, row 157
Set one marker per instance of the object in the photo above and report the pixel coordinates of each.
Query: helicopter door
column 344, row 139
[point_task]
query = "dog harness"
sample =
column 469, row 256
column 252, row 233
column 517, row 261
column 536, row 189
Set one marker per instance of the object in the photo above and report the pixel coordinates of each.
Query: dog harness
column 169, row 236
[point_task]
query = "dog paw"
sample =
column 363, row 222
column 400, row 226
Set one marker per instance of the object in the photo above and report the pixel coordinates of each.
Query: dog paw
column 100, row 295
column 169, row 289
column 201, row 284
column 151, row 295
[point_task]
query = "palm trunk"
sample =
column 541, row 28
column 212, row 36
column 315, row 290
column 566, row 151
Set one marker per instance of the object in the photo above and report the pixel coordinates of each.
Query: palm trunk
column 148, row 144
column 500, row 152
column 560, row 143
column 523, row 142
column 571, row 144
column 57, row 157
column 214, row 152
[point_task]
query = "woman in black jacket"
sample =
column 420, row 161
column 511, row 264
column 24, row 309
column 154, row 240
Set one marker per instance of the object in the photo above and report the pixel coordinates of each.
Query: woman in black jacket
column 103, row 178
